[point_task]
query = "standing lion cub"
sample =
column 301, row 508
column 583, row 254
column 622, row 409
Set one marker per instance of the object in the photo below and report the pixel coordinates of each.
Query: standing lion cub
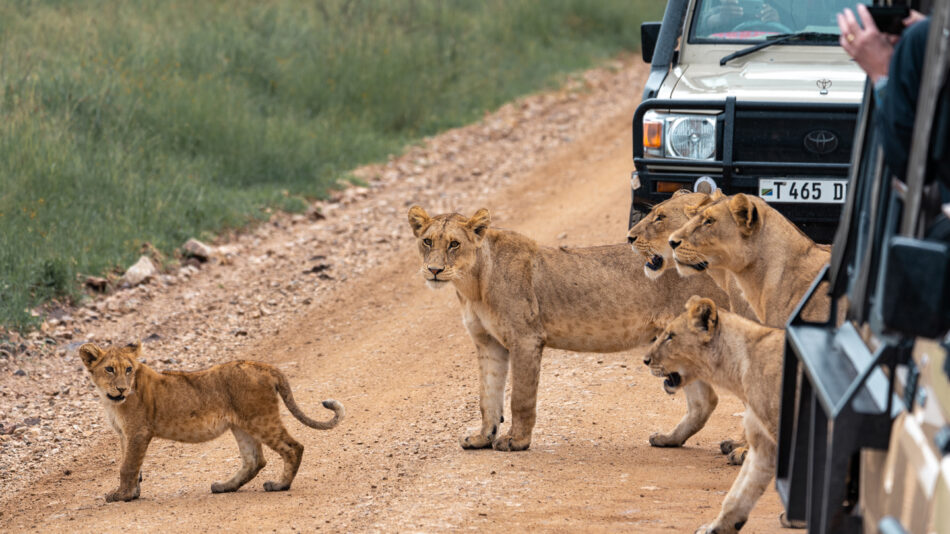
column 239, row 396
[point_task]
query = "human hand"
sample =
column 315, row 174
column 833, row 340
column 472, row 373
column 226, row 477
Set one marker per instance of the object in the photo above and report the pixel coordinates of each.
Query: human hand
column 869, row 47
column 914, row 17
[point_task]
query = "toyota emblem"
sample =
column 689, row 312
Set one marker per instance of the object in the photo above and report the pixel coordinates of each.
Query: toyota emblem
column 820, row 142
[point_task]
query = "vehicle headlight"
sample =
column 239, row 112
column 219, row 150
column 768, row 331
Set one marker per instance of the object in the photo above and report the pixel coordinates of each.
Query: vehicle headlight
column 679, row 136
column 692, row 137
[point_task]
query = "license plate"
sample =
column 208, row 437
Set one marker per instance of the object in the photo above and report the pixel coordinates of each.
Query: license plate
column 803, row 190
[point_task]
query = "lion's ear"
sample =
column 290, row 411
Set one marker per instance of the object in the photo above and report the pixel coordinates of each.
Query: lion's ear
column 745, row 213
column 418, row 220
column 136, row 348
column 703, row 316
column 480, row 222
column 692, row 210
column 680, row 192
column 90, row 353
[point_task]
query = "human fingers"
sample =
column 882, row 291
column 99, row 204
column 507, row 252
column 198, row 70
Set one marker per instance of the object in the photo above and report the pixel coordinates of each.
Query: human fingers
column 851, row 28
column 866, row 19
column 846, row 36
column 914, row 17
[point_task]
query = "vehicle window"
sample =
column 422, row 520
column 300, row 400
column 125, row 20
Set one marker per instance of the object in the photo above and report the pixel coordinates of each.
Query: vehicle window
column 754, row 20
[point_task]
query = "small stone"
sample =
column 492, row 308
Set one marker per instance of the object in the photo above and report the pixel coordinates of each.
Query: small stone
column 196, row 249
column 138, row 273
column 19, row 372
column 96, row 283
column 31, row 421
column 152, row 337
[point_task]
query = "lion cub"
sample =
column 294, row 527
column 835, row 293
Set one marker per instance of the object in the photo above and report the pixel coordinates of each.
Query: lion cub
column 239, row 396
column 744, row 357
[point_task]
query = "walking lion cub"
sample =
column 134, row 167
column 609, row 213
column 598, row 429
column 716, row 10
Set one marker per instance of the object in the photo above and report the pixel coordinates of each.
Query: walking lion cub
column 193, row 407
column 744, row 357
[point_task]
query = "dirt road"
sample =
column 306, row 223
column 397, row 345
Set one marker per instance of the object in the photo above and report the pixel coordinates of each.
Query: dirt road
column 396, row 354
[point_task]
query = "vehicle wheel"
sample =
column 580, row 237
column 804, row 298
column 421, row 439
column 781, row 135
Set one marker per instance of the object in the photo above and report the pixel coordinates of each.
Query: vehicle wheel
column 636, row 215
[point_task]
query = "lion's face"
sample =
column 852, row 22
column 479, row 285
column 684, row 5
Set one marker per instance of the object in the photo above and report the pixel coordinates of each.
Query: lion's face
column 448, row 243
column 681, row 351
column 716, row 236
column 651, row 236
column 112, row 370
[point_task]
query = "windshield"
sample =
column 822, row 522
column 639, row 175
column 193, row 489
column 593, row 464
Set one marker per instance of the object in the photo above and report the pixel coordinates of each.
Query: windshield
column 755, row 20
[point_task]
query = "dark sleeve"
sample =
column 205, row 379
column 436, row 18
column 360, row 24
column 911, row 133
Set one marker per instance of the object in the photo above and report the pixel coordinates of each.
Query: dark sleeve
column 896, row 118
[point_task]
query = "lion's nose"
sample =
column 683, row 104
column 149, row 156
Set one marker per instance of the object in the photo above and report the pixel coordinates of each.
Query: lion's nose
column 435, row 270
column 120, row 390
column 646, row 361
column 674, row 244
column 631, row 239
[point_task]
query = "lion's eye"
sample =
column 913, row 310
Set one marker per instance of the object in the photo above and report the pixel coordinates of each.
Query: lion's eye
column 652, row 340
column 454, row 244
column 128, row 370
column 427, row 242
column 708, row 221
column 670, row 336
column 658, row 218
column 110, row 370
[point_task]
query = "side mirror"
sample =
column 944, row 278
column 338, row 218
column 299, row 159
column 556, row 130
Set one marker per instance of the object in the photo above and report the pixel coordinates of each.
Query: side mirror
column 649, row 33
column 916, row 292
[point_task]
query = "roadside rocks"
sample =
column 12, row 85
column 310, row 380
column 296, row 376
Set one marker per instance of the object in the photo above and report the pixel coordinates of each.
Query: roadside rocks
column 143, row 270
column 198, row 250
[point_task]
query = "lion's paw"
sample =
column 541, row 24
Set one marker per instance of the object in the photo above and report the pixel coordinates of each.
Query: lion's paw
column 737, row 456
column 508, row 443
column 119, row 495
column 276, row 486
column 220, row 487
column 728, row 445
column 664, row 440
column 475, row 441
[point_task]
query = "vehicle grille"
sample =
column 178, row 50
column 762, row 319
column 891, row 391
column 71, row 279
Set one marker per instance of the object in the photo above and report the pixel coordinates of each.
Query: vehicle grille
column 793, row 136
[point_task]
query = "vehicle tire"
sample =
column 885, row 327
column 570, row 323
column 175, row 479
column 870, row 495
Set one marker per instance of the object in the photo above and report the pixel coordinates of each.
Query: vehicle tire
column 636, row 215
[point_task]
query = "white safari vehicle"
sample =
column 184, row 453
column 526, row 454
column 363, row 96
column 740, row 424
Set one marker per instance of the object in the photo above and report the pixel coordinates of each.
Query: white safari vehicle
column 750, row 96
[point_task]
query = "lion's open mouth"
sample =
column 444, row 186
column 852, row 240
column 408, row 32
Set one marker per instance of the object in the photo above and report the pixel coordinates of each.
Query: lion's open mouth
column 116, row 398
column 673, row 381
column 655, row 263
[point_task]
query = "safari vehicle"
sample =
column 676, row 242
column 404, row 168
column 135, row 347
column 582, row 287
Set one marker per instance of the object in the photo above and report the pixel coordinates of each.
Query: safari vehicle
column 749, row 96
column 864, row 435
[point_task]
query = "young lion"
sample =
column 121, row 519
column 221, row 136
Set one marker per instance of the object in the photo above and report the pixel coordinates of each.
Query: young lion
column 518, row 297
column 772, row 261
column 142, row 404
column 651, row 238
column 743, row 357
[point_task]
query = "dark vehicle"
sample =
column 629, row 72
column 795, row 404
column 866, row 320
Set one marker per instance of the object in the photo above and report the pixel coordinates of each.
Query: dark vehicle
column 864, row 436
column 749, row 96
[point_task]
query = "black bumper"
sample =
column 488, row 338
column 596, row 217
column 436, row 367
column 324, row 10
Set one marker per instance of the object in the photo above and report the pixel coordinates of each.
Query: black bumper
column 755, row 140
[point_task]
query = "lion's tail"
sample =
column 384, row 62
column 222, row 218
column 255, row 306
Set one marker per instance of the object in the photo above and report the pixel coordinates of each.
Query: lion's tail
column 283, row 387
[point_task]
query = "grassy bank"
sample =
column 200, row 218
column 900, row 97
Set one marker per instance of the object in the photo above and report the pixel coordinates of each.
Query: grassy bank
column 130, row 122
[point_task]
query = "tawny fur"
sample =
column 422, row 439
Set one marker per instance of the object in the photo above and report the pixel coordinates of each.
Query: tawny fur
column 240, row 396
column 744, row 357
column 772, row 261
column 651, row 238
column 518, row 297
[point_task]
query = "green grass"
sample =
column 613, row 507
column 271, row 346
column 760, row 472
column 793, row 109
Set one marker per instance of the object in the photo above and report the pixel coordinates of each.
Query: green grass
column 154, row 121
